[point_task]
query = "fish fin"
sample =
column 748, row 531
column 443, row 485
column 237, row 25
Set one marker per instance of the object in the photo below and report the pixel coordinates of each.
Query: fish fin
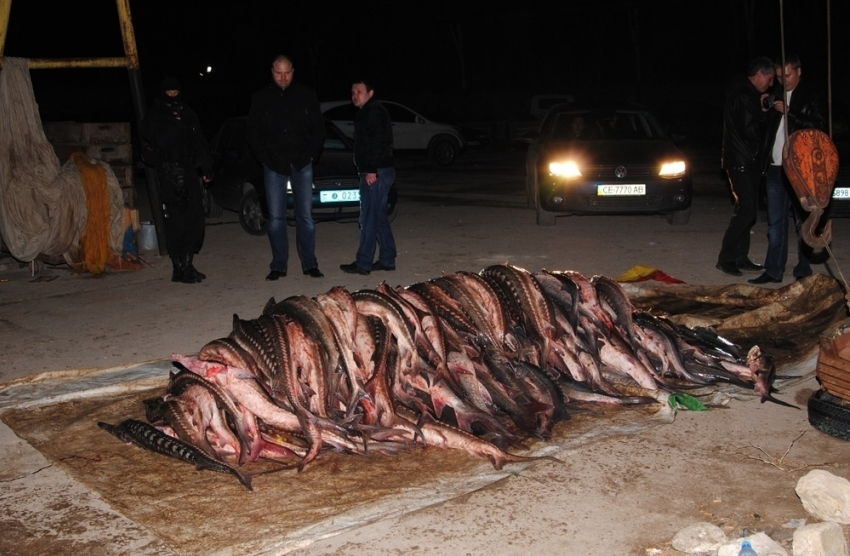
column 768, row 397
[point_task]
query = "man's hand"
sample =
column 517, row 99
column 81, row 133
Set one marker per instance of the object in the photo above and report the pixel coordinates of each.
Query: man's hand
column 779, row 106
column 371, row 178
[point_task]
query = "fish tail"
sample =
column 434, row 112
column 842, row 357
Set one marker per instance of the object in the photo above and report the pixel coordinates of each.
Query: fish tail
column 220, row 467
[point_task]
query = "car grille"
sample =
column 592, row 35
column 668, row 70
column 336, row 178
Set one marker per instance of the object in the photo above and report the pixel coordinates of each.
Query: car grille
column 336, row 183
column 619, row 202
column 632, row 171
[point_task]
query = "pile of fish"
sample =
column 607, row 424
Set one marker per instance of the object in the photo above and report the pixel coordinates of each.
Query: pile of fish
column 479, row 362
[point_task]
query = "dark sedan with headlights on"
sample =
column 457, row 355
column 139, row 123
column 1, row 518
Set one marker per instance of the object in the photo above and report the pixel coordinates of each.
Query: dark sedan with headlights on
column 238, row 183
column 606, row 159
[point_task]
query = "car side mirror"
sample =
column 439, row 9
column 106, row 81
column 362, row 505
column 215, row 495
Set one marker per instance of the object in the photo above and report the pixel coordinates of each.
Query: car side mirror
column 528, row 138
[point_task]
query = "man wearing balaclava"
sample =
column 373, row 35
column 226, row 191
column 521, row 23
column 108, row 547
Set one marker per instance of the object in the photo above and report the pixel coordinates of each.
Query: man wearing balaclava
column 177, row 149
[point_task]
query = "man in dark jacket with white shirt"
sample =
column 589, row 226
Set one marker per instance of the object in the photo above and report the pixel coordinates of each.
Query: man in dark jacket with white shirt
column 373, row 156
column 286, row 133
column 803, row 112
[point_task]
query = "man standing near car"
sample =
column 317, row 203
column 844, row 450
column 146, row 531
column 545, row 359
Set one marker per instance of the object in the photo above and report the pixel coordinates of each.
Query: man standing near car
column 744, row 119
column 373, row 156
column 803, row 112
column 286, row 133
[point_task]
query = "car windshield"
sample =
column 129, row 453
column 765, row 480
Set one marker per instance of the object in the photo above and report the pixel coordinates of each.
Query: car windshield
column 607, row 125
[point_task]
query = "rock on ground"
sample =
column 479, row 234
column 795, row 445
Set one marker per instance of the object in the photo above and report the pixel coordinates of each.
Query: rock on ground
column 825, row 496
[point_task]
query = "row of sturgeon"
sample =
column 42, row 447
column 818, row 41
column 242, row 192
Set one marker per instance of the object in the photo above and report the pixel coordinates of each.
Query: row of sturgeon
column 479, row 362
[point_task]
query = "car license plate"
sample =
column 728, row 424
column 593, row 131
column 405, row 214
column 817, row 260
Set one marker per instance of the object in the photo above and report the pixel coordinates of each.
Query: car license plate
column 339, row 196
column 622, row 189
column 841, row 193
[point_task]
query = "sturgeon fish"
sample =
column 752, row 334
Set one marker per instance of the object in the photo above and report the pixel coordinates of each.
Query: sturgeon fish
column 150, row 438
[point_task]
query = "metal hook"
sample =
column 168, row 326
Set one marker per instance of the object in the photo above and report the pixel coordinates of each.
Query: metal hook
column 808, row 230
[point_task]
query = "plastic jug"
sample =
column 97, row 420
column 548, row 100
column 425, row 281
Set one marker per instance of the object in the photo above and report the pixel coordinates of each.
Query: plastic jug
column 747, row 549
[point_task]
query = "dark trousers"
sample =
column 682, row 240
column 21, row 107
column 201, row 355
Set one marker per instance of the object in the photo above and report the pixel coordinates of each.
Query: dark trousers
column 736, row 241
column 183, row 207
column 779, row 201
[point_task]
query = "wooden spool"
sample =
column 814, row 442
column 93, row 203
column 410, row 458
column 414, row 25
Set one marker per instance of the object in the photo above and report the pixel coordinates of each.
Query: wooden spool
column 810, row 161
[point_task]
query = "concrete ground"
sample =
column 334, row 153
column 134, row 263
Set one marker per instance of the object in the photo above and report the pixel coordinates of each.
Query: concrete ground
column 736, row 467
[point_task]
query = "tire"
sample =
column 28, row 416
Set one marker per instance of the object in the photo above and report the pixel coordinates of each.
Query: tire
column 251, row 216
column 443, row 150
column 829, row 414
column 679, row 217
column 211, row 208
column 531, row 185
column 392, row 204
column 545, row 218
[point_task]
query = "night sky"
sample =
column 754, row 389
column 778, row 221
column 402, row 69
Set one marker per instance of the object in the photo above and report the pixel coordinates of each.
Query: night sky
column 456, row 61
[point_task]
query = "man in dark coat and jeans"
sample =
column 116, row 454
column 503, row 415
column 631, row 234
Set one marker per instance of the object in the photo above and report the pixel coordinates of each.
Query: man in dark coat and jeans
column 744, row 119
column 286, row 132
column 803, row 112
column 177, row 148
column 373, row 156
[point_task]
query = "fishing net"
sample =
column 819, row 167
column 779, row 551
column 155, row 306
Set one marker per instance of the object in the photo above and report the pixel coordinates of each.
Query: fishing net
column 46, row 208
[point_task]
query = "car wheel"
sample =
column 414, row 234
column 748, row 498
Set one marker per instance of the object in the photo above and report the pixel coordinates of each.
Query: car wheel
column 545, row 218
column 829, row 414
column 392, row 203
column 251, row 216
column 443, row 150
column 211, row 208
column 679, row 217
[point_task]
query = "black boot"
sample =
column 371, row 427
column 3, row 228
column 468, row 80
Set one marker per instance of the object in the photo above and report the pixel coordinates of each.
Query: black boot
column 191, row 268
column 181, row 273
column 177, row 273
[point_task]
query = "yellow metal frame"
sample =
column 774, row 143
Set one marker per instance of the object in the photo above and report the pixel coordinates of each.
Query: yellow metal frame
column 131, row 54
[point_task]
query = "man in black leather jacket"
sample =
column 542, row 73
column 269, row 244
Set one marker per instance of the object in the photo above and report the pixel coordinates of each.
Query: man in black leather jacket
column 744, row 119
column 286, row 134
column 803, row 112
column 373, row 156
column 177, row 149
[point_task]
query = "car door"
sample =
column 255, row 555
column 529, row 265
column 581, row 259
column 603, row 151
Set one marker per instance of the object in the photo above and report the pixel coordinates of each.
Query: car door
column 226, row 187
column 343, row 117
column 409, row 128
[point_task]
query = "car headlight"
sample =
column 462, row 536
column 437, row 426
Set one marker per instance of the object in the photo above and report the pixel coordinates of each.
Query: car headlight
column 568, row 169
column 674, row 169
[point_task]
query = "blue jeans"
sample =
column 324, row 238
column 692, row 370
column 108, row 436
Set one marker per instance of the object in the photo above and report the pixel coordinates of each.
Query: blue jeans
column 305, row 230
column 779, row 201
column 374, row 225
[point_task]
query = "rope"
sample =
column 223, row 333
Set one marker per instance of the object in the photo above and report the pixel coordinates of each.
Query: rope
column 94, row 239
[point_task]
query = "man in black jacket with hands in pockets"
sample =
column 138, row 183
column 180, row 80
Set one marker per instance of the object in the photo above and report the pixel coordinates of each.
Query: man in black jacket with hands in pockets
column 373, row 156
column 286, row 133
